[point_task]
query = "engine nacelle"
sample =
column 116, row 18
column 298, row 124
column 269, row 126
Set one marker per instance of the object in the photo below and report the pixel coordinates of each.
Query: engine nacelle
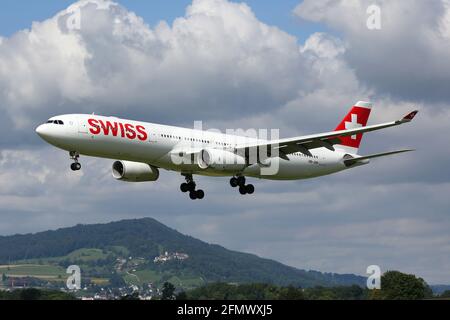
column 221, row 160
column 134, row 171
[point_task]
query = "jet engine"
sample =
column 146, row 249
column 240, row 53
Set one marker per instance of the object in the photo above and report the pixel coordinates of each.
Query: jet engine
column 134, row 171
column 221, row 160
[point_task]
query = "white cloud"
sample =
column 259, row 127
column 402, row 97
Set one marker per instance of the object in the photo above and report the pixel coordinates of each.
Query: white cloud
column 407, row 57
column 218, row 60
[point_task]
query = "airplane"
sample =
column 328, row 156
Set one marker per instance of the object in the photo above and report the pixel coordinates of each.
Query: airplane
column 142, row 149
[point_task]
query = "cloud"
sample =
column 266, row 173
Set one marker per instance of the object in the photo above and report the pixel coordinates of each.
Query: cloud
column 407, row 58
column 218, row 61
column 221, row 64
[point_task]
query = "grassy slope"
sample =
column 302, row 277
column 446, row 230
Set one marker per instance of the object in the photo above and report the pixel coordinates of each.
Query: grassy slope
column 148, row 238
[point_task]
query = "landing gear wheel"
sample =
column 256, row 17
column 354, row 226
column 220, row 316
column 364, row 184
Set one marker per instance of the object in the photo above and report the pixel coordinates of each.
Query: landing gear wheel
column 241, row 181
column 200, row 194
column 190, row 186
column 234, row 182
column 75, row 166
column 184, row 187
column 193, row 195
column 243, row 190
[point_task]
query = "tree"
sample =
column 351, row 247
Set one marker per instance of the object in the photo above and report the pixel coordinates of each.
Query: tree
column 36, row 294
column 321, row 293
column 168, row 291
column 4, row 277
column 445, row 294
column 133, row 296
column 116, row 280
column 399, row 286
column 291, row 293
column 30, row 294
column 182, row 296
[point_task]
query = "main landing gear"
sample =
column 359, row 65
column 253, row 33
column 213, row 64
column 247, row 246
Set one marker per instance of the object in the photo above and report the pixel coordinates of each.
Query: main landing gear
column 190, row 186
column 243, row 188
column 76, row 165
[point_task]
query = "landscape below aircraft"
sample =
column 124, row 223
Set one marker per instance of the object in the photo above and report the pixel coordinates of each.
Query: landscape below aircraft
column 142, row 149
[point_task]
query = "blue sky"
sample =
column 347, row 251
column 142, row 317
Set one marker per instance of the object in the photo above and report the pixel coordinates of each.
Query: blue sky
column 18, row 15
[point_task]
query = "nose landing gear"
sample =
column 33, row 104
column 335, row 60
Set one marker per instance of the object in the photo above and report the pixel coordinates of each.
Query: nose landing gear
column 190, row 186
column 243, row 188
column 75, row 156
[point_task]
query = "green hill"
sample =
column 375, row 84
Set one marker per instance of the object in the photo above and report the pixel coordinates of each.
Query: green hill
column 128, row 248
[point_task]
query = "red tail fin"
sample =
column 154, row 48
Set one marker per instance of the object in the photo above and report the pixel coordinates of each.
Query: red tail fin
column 357, row 117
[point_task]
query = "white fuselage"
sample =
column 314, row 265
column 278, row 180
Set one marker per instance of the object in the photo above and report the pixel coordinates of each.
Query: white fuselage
column 154, row 144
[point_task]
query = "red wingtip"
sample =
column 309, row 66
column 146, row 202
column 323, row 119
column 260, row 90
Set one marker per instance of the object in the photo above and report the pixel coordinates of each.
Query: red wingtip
column 410, row 116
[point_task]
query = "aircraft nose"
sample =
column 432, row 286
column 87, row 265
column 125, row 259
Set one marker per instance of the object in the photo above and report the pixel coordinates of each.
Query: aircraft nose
column 41, row 131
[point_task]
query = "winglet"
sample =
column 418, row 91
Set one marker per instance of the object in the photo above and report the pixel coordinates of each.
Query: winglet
column 410, row 116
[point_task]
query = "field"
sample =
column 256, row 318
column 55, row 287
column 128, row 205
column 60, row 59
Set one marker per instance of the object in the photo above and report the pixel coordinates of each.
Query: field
column 135, row 272
column 149, row 276
column 49, row 269
column 81, row 255
column 44, row 272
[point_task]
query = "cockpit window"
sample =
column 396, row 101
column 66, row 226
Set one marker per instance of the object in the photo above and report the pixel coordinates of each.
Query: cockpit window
column 59, row 122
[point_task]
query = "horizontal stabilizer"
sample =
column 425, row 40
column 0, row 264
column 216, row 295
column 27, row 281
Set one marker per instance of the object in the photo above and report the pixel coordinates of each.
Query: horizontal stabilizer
column 350, row 162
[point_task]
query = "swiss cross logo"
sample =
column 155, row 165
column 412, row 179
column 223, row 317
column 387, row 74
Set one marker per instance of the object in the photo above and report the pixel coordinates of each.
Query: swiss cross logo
column 353, row 124
column 356, row 118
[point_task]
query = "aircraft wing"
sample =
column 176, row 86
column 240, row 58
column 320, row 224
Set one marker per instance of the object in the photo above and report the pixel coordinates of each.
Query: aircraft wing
column 327, row 139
